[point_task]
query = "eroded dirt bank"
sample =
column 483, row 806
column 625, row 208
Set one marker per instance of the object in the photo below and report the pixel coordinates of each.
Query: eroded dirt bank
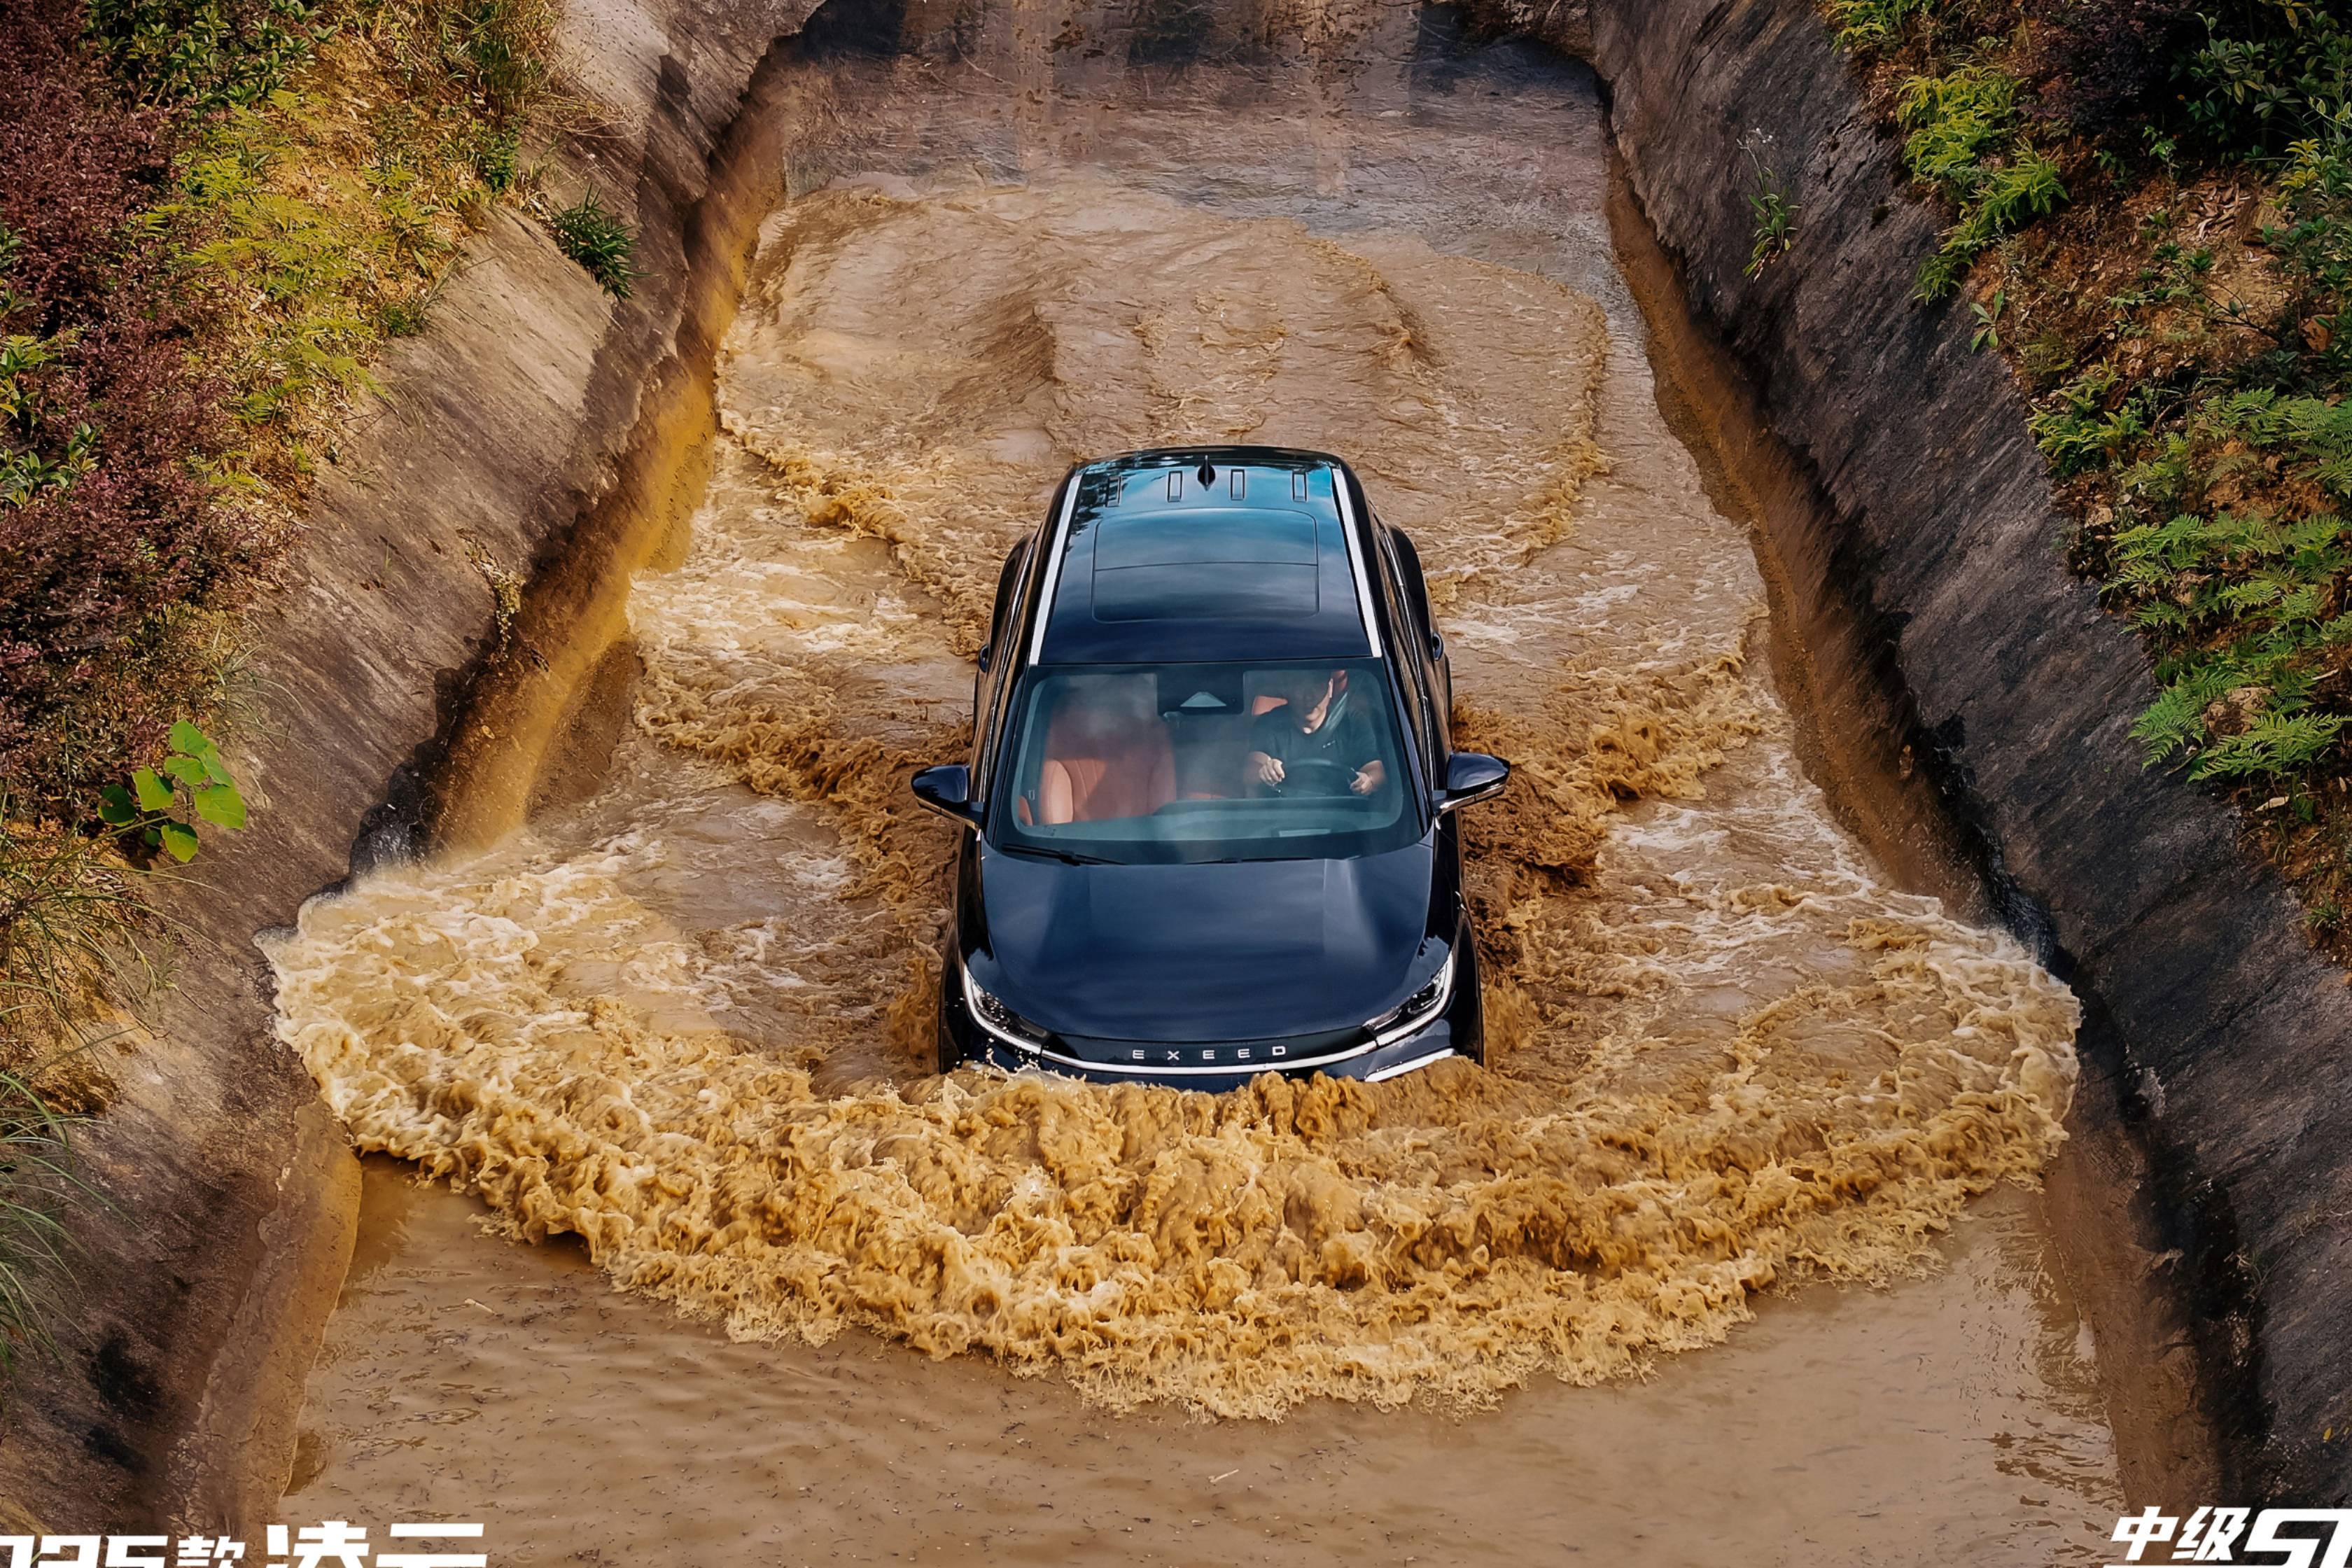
column 679, row 1017
column 2220, row 1031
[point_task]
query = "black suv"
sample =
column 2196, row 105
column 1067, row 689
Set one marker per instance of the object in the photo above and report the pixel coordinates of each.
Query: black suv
column 1211, row 788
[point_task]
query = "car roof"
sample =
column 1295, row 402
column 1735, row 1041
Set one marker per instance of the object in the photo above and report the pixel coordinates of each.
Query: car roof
column 1154, row 565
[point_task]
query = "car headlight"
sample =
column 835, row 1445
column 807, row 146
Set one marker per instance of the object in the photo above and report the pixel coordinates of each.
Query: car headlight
column 1417, row 1011
column 997, row 1018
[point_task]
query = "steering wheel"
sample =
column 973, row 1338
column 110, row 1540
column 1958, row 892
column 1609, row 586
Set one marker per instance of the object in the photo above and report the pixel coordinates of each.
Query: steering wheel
column 1315, row 776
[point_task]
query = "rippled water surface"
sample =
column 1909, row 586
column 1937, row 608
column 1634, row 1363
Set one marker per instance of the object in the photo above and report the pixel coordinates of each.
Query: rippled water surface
column 684, row 1023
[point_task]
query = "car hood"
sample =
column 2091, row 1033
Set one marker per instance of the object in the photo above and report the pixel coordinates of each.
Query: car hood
column 1252, row 951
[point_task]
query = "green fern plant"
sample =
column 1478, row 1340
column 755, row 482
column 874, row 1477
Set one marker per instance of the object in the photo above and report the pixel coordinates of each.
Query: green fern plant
column 2276, row 745
column 1966, row 141
column 1875, row 23
column 2175, row 721
column 2252, row 603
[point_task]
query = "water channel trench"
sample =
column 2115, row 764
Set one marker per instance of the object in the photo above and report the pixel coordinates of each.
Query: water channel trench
column 1738, row 1251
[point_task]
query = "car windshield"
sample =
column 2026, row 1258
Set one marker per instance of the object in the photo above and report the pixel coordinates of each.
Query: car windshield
column 1147, row 764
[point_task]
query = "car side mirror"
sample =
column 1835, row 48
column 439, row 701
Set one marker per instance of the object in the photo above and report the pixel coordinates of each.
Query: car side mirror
column 1470, row 777
column 987, row 652
column 947, row 791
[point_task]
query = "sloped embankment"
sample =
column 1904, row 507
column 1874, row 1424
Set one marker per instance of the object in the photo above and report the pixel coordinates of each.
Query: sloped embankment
column 2223, row 1030
column 534, row 409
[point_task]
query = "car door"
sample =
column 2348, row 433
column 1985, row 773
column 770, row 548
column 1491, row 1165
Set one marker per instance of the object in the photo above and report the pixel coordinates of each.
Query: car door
column 1000, row 656
column 1411, row 651
column 1405, row 561
column 1018, row 586
column 992, row 652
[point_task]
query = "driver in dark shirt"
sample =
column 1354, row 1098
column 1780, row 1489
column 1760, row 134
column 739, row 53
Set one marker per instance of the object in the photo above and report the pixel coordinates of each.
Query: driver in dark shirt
column 1314, row 724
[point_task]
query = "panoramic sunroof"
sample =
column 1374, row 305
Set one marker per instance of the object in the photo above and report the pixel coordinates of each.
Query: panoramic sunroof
column 1217, row 590
column 1174, row 537
column 1209, row 564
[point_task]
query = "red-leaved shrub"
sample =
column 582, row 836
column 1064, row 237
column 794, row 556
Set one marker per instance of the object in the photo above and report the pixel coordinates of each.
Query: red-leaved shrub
column 116, row 540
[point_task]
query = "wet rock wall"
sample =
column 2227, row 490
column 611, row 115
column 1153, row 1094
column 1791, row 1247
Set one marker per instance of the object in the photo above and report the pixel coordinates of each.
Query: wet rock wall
column 2223, row 1032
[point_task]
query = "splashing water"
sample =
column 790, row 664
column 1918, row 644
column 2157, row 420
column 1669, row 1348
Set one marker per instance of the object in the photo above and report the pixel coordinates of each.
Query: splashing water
column 685, row 1020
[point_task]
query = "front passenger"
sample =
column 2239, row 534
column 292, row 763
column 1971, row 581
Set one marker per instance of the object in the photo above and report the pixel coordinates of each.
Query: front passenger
column 1107, row 753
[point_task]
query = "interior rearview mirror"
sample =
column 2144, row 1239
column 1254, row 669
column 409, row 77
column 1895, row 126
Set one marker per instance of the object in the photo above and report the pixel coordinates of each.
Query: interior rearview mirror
column 1472, row 776
column 948, row 790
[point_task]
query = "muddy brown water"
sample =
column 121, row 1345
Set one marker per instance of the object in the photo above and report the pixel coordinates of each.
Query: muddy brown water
column 1737, row 1252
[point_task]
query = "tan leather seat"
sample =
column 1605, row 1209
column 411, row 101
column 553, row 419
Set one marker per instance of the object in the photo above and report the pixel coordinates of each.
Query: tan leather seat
column 1107, row 753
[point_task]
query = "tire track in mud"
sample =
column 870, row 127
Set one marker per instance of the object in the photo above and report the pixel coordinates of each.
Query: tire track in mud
column 682, row 1022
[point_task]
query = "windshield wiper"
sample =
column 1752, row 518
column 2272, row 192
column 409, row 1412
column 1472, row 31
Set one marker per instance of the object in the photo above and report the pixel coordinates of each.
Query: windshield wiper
column 1066, row 856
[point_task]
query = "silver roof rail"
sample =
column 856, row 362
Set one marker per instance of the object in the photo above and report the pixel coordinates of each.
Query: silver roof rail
column 1053, row 569
column 1356, row 561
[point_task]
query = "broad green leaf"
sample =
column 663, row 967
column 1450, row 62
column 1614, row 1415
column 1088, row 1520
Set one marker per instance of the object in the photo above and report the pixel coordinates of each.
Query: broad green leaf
column 155, row 795
column 215, row 769
column 187, row 770
column 186, row 737
column 115, row 806
column 179, row 840
column 221, row 804
column 152, row 835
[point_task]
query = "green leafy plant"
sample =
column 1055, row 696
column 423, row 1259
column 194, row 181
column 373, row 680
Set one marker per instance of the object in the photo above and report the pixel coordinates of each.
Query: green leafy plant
column 26, row 475
column 2262, row 85
column 1987, row 314
column 1955, row 120
column 2091, row 418
column 593, row 236
column 498, row 160
column 205, row 55
column 1776, row 219
column 1776, row 223
column 193, row 782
